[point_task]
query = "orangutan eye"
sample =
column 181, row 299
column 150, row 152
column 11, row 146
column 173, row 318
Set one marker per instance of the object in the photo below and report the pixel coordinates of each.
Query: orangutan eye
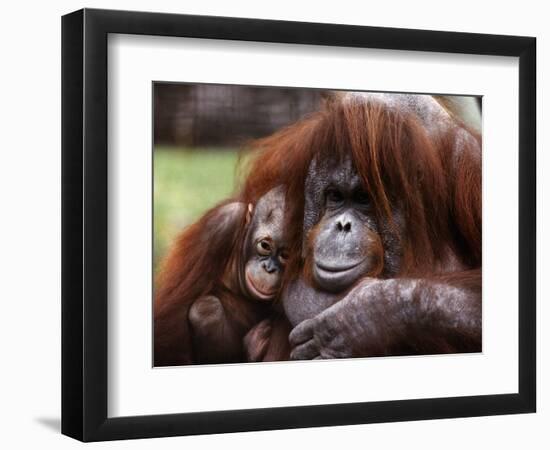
column 361, row 197
column 263, row 247
column 334, row 196
column 283, row 257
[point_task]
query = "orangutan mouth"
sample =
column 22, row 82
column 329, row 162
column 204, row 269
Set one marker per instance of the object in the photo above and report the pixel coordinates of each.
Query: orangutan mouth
column 258, row 292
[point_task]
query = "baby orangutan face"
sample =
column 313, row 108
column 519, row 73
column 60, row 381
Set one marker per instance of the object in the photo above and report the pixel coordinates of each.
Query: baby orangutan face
column 266, row 252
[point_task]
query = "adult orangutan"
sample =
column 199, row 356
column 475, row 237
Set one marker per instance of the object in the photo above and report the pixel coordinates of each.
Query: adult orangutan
column 384, row 224
column 218, row 282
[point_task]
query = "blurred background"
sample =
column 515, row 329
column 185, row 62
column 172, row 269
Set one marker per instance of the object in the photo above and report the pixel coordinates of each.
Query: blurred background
column 199, row 133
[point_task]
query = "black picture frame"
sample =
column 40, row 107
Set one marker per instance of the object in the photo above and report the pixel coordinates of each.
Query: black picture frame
column 84, row 224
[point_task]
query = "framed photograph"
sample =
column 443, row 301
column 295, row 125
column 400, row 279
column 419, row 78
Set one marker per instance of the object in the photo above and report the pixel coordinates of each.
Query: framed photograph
column 273, row 224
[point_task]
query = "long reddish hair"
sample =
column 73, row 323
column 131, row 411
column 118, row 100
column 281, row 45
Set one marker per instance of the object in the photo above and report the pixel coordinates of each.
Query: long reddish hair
column 196, row 262
column 432, row 176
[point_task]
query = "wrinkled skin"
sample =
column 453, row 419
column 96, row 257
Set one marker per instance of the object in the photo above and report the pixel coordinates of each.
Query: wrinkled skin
column 391, row 317
column 343, row 237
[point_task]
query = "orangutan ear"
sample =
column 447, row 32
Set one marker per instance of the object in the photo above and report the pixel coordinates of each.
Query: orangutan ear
column 249, row 211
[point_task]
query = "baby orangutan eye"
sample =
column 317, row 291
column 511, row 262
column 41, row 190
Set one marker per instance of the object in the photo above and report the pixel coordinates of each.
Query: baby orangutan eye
column 263, row 247
column 283, row 257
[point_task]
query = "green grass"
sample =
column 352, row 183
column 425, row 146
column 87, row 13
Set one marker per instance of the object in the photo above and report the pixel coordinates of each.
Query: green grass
column 187, row 182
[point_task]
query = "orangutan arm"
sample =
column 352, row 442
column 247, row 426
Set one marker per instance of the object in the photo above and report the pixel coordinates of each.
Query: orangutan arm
column 393, row 317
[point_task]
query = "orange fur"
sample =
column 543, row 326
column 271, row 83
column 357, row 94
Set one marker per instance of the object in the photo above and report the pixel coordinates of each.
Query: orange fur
column 437, row 187
column 194, row 267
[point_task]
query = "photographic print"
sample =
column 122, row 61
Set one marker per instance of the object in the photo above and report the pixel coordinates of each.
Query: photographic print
column 306, row 224
column 285, row 223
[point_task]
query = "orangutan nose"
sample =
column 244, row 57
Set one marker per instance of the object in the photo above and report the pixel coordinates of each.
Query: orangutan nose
column 269, row 266
column 343, row 224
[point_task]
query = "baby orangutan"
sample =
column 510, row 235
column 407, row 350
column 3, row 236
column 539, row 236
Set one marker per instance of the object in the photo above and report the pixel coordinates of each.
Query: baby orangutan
column 220, row 320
